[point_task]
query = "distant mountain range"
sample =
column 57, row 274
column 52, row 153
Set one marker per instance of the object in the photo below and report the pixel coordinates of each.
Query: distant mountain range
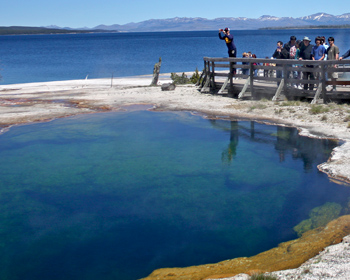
column 188, row 24
column 322, row 20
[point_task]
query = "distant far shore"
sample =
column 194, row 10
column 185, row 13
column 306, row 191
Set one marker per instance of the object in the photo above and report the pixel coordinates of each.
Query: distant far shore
column 25, row 30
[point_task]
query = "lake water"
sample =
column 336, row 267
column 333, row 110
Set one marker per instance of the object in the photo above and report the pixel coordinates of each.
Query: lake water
column 40, row 58
column 117, row 195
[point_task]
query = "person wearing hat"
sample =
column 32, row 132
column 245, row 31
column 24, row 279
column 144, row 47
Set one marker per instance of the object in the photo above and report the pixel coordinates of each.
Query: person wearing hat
column 232, row 50
column 305, row 54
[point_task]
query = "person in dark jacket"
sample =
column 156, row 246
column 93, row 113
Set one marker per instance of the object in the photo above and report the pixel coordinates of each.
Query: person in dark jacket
column 280, row 53
column 232, row 50
column 345, row 55
column 306, row 54
column 290, row 44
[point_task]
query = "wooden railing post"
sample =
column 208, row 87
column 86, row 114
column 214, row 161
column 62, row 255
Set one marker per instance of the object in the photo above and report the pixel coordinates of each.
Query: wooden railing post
column 323, row 80
column 251, row 78
column 213, row 86
column 285, row 76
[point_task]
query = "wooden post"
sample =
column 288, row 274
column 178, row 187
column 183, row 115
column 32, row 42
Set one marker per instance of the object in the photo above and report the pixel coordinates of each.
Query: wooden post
column 317, row 95
column 206, row 87
column 200, row 78
column 241, row 94
column 221, row 91
column 231, row 82
column 277, row 95
column 323, row 77
column 251, row 76
column 156, row 71
column 285, row 77
column 213, row 86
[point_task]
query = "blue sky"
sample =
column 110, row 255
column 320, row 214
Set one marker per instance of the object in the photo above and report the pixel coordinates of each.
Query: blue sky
column 82, row 13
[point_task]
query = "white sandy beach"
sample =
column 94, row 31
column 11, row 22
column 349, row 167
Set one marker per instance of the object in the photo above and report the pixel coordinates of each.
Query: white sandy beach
column 34, row 102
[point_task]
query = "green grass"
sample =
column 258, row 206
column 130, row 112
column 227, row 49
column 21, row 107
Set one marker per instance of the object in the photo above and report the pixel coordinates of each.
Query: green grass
column 318, row 109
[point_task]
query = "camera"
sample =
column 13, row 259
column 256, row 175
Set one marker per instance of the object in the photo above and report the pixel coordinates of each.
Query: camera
column 221, row 30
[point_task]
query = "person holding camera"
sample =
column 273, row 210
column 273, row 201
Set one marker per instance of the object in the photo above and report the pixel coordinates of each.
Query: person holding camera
column 232, row 50
column 229, row 41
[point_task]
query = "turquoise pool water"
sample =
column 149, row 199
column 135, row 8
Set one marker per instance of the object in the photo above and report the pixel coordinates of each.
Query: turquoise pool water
column 117, row 195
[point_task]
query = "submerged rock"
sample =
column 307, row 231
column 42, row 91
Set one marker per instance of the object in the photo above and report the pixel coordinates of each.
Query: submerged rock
column 287, row 255
column 319, row 217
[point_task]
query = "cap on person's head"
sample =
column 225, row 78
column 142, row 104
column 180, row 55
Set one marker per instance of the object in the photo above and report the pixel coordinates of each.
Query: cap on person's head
column 306, row 39
column 293, row 38
column 227, row 29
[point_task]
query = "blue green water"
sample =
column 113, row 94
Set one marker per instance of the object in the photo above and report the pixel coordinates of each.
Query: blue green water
column 116, row 195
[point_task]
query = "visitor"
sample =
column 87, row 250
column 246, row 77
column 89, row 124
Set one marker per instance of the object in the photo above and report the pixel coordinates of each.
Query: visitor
column 290, row 47
column 318, row 53
column 332, row 54
column 266, row 71
column 290, row 44
column 345, row 55
column 325, row 46
column 232, row 50
column 296, row 73
column 245, row 71
column 305, row 54
column 280, row 53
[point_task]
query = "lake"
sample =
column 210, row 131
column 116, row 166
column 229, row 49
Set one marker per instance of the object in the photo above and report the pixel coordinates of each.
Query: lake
column 42, row 58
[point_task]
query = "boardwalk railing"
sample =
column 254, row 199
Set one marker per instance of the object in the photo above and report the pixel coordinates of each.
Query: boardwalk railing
column 277, row 77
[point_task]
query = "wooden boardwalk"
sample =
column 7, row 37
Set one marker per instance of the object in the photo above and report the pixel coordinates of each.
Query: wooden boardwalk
column 276, row 79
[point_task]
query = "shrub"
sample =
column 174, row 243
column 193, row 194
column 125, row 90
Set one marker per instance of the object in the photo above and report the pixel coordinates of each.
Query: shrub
column 183, row 79
column 195, row 77
column 179, row 80
column 318, row 109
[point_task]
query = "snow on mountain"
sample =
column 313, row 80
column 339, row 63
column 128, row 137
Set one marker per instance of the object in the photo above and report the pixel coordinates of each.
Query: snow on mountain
column 266, row 17
column 198, row 23
column 345, row 16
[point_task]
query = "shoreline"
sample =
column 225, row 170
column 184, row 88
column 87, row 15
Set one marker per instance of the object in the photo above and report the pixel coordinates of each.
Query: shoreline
column 39, row 102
